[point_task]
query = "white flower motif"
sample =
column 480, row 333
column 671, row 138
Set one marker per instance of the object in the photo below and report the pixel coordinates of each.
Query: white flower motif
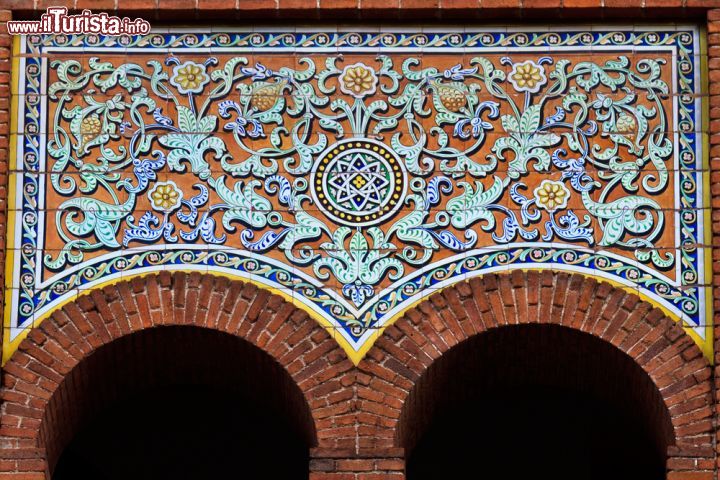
column 165, row 196
column 358, row 80
column 527, row 77
column 189, row 77
column 551, row 195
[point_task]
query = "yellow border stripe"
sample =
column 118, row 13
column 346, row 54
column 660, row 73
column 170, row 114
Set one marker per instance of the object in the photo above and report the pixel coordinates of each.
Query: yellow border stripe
column 708, row 346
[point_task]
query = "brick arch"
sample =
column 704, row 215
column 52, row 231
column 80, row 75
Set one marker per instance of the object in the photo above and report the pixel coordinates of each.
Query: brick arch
column 34, row 377
column 355, row 410
column 656, row 343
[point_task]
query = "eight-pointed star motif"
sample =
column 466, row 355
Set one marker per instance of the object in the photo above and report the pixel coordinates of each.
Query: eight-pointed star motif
column 360, row 183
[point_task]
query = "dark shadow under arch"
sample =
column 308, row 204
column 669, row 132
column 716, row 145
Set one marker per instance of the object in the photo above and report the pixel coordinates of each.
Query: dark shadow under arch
column 179, row 402
column 531, row 400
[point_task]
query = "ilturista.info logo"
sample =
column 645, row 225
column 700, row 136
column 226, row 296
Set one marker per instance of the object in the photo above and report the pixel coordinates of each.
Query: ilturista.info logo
column 57, row 20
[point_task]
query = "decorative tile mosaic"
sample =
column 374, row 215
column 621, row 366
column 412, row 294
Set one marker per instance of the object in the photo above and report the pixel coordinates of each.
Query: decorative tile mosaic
column 356, row 172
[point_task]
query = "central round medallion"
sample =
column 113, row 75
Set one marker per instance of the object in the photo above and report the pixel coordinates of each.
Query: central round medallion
column 358, row 182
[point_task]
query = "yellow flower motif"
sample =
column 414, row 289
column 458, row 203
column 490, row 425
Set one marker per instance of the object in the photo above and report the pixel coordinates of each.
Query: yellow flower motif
column 625, row 124
column 359, row 182
column 190, row 77
column 551, row 195
column 165, row 196
column 358, row 80
column 527, row 77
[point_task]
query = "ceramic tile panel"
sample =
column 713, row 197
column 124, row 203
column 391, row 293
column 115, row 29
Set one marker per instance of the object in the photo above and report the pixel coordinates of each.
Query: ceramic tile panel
column 354, row 172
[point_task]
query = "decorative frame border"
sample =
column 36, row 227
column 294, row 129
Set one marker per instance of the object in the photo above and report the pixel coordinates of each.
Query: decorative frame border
column 688, row 300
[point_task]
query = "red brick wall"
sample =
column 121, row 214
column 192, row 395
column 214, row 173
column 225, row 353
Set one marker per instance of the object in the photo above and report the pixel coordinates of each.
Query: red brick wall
column 713, row 29
column 358, row 411
column 5, row 64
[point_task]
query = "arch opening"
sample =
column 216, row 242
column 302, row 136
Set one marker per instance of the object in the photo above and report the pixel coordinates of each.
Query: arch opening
column 521, row 401
column 178, row 402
